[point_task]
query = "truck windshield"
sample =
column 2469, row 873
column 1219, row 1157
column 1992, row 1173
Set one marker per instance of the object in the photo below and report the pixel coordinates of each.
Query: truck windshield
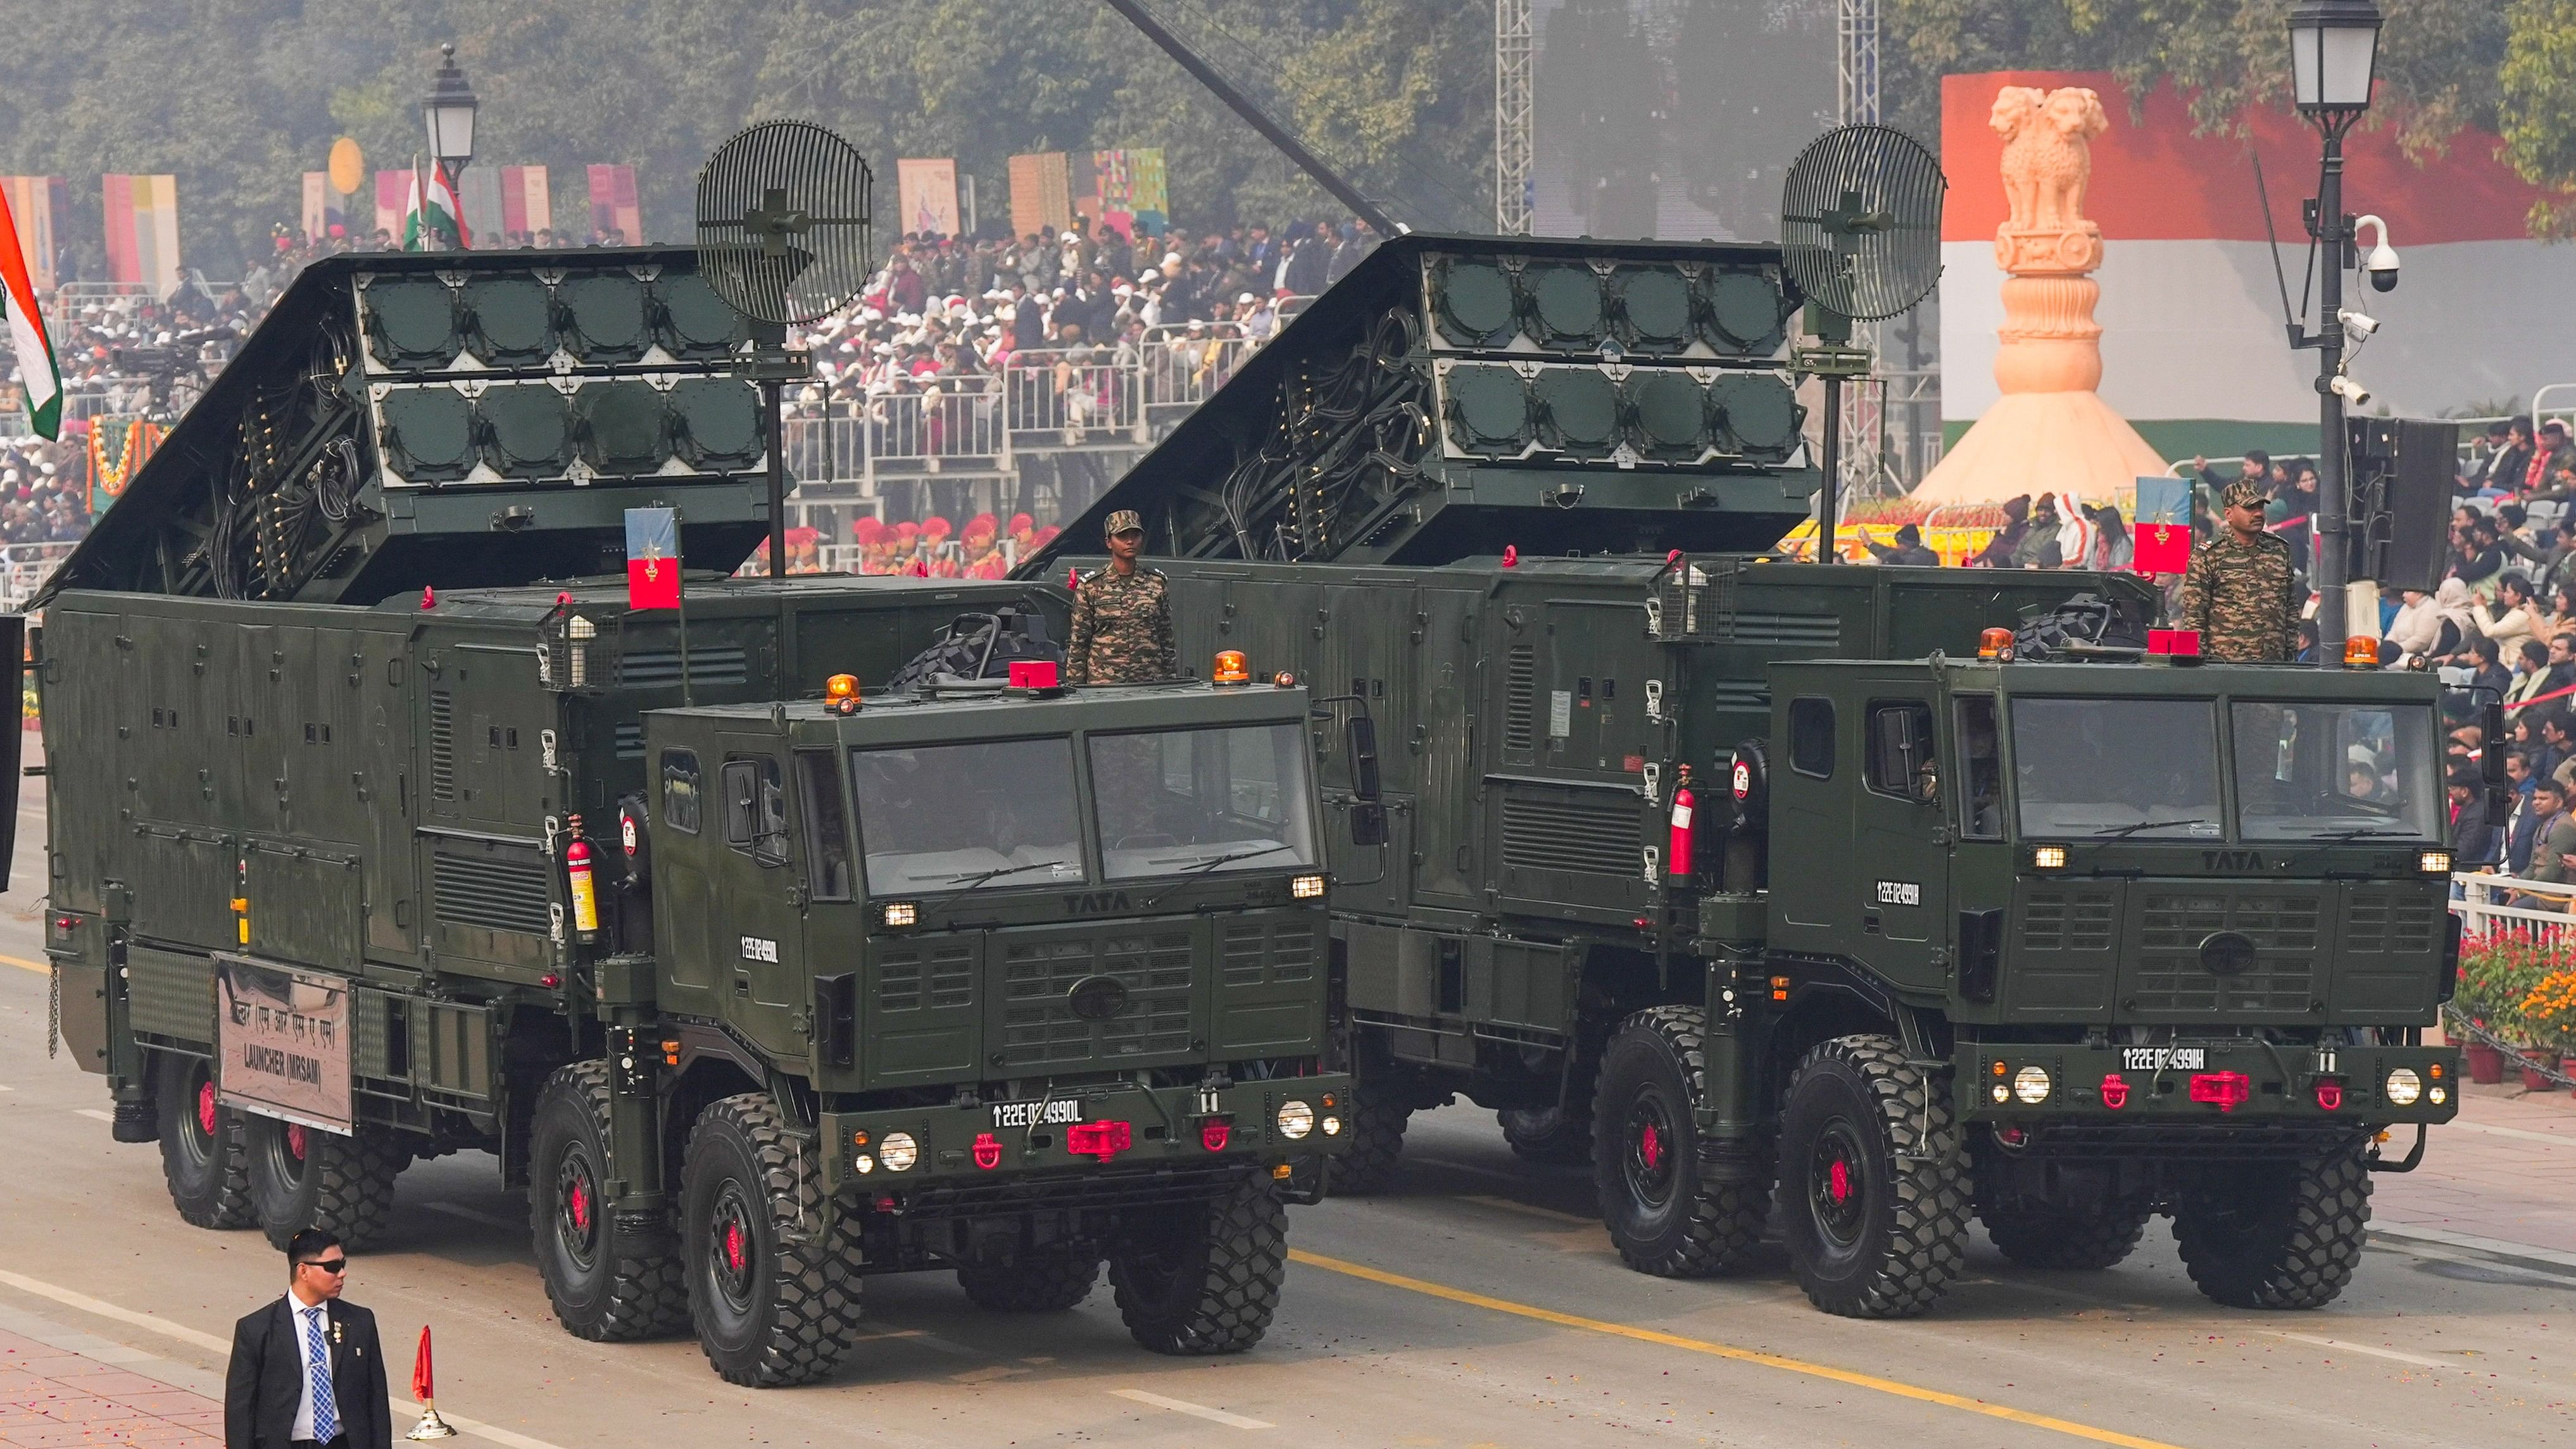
column 2127, row 767
column 2335, row 772
column 1202, row 800
column 943, row 817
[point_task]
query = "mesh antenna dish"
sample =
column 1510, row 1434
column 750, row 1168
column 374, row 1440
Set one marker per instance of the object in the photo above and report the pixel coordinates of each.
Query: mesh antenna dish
column 784, row 222
column 1860, row 221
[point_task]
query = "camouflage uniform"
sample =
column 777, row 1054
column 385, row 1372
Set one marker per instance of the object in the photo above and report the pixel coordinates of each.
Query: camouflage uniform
column 1122, row 630
column 2238, row 595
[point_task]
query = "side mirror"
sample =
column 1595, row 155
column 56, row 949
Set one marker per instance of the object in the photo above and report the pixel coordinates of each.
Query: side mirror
column 1363, row 741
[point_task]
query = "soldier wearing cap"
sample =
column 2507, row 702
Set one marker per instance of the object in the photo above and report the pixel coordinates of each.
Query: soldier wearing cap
column 1122, row 616
column 2237, row 591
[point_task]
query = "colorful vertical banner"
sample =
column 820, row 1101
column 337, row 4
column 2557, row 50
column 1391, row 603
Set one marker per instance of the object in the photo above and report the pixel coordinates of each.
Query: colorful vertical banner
column 37, row 203
column 1041, row 193
column 393, row 203
column 1125, row 189
column 2162, row 532
column 142, row 214
column 652, row 558
column 614, row 211
column 526, row 205
column 926, row 189
column 1149, row 191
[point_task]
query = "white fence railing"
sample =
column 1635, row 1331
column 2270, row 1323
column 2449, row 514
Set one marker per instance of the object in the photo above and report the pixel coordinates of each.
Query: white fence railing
column 24, row 567
column 2509, row 905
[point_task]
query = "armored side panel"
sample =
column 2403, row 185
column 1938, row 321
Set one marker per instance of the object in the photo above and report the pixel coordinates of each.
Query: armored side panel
column 1454, row 394
column 460, row 419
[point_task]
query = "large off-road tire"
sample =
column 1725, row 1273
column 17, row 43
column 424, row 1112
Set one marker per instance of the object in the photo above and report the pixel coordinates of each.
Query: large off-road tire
column 302, row 1177
column 1367, row 1165
column 1873, row 1180
column 1203, row 1278
column 2066, row 1238
column 597, row 1293
column 1556, row 1136
column 772, row 1303
column 201, row 1145
column 2276, row 1234
column 1037, row 1283
column 1664, row 1215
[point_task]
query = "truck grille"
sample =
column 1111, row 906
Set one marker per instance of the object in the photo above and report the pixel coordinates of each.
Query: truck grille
column 1259, row 954
column 2069, row 920
column 1039, row 1029
column 939, row 977
column 2387, row 922
column 2285, row 927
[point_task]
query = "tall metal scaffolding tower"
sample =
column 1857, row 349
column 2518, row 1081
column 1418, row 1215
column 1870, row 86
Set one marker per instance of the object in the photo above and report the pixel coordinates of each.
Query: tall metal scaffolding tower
column 1856, row 61
column 1515, row 60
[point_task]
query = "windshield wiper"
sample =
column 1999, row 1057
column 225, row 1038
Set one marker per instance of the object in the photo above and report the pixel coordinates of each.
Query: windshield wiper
column 979, row 877
column 1213, row 863
column 2120, row 830
column 2360, row 832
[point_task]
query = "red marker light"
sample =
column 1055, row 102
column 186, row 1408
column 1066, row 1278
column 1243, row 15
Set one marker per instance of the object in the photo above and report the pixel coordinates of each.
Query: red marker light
column 1213, row 1134
column 1511, row 556
column 550, row 981
column 1103, row 1140
column 428, row 597
column 2115, row 1091
column 2329, row 1094
column 2224, row 1090
column 1033, row 674
column 988, row 1151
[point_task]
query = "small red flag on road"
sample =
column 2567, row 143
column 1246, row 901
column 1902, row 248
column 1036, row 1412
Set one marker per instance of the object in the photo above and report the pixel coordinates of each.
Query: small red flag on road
column 422, row 1386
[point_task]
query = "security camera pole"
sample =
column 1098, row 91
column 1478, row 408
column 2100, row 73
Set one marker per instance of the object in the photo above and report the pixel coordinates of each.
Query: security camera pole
column 2333, row 51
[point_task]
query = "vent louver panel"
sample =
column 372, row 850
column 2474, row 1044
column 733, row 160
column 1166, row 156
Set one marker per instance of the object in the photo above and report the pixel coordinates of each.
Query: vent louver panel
column 1594, row 833
column 1520, row 700
column 709, row 664
column 494, row 892
column 442, row 745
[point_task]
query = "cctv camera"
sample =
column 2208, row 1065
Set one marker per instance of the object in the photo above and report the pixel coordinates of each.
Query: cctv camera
column 2353, row 393
column 2356, row 321
column 2380, row 265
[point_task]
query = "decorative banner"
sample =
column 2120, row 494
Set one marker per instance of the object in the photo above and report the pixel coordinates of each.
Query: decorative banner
column 117, row 446
column 2162, row 533
column 1041, row 193
column 1148, row 193
column 1126, row 189
column 478, row 190
column 282, row 1042
column 613, row 207
column 652, row 558
column 393, row 203
column 525, row 204
column 35, row 201
column 348, row 167
column 143, row 230
column 926, row 189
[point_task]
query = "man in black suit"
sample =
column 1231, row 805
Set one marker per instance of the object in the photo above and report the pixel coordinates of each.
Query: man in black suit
column 306, row 1371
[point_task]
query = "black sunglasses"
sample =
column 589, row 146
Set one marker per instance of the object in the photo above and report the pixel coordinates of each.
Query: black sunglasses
column 329, row 1265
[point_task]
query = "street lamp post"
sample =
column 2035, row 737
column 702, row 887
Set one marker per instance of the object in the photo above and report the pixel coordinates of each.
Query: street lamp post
column 448, row 110
column 2334, row 46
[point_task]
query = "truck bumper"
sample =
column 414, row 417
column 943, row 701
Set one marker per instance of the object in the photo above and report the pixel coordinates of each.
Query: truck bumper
column 2215, row 1084
column 1057, row 1141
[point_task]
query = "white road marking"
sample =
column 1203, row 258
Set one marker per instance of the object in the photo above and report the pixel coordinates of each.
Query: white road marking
column 453, row 1210
column 2563, row 1139
column 155, row 1323
column 2527, row 1257
column 8, row 1089
column 2342, row 1346
column 1200, row 1411
column 94, row 1112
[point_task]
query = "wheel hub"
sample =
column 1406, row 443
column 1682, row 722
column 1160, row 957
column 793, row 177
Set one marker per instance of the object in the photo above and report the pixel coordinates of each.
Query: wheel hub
column 732, row 1251
column 576, row 1216
column 1649, row 1159
column 206, row 1108
column 1836, row 1180
column 296, row 1140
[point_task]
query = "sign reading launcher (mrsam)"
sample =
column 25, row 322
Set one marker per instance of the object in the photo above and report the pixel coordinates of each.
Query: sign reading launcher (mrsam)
column 284, row 1047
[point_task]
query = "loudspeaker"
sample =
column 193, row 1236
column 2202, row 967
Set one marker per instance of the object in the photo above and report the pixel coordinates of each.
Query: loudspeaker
column 2401, row 472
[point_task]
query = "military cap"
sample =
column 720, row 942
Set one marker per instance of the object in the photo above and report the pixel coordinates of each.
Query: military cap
column 1125, row 520
column 2242, row 494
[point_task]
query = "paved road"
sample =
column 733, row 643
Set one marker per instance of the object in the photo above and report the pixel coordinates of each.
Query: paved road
column 1477, row 1306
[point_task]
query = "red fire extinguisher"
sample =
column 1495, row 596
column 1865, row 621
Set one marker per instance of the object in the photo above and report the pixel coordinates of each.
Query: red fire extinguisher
column 585, row 896
column 1677, row 854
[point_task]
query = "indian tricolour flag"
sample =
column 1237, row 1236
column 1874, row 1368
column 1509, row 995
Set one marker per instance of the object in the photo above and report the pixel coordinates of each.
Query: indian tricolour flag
column 43, row 381
column 427, row 216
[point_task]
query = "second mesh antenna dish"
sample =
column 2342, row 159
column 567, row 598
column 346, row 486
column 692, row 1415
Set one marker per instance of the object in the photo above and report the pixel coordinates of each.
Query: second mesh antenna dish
column 1860, row 221
column 784, row 222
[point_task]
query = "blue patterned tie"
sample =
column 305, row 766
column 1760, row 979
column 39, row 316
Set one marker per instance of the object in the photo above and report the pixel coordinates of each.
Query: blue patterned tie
column 326, row 1411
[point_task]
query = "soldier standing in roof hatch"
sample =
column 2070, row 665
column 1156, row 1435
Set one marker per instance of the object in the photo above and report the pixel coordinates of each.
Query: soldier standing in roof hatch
column 2237, row 590
column 1122, row 616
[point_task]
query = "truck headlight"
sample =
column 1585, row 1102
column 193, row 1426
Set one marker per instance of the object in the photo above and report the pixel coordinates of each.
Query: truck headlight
column 1296, row 1119
column 2403, row 1087
column 901, row 913
column 1306, row 887
column 2030, row 1084
column 898, row 1151
column 2434, row 862
column 1333, row 1125
column 2048, row 857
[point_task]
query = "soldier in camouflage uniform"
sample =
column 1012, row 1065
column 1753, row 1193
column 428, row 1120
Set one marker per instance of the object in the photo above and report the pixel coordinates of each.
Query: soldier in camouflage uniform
column 2237, row 592
column 1122, row 617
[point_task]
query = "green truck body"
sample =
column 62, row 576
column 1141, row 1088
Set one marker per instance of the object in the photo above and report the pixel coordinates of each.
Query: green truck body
column 380, row 827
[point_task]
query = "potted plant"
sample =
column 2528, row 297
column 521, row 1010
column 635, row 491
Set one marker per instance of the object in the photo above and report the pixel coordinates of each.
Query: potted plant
column 2549, row 1010
column 2497, row 971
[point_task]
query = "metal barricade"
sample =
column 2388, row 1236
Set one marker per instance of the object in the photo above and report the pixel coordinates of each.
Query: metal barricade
column 1083, row 396
column 24, row 567
column 2501, row 905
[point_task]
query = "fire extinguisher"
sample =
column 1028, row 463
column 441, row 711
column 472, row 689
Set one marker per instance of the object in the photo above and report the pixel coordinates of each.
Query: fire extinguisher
column 1677, row 853
column 585, row 896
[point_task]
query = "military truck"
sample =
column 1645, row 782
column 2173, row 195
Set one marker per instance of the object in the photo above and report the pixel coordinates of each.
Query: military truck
column 383, row 828
column 1747, row 881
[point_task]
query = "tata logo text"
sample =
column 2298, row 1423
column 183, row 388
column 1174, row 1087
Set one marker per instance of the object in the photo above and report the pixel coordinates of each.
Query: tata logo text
column 1095, row 903
column 2244, row 860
